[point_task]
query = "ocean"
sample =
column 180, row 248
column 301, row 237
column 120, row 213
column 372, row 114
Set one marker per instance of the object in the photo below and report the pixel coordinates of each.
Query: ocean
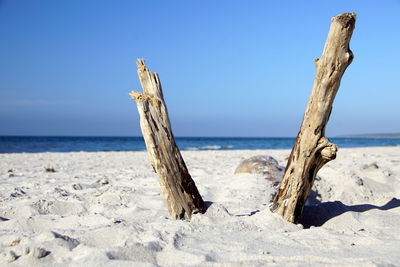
column 34, row 144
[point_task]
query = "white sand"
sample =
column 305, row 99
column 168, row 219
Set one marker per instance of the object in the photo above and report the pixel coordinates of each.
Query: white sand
column 104, row 209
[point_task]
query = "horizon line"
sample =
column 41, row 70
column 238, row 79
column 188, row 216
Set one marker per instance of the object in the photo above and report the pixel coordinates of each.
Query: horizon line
column 375, row 135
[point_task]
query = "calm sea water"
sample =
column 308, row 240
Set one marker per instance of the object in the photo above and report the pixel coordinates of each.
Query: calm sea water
column 30, row 144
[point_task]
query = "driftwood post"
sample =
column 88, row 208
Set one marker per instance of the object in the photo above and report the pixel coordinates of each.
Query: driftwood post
column 177, row 187
column 312, row 150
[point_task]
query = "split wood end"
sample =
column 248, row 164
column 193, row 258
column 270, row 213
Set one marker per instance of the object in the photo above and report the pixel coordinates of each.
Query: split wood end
column 346, row 19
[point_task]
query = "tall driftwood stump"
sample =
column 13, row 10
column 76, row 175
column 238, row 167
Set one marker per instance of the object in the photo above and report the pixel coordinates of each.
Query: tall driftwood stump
column 177, row 187
column 312, row 150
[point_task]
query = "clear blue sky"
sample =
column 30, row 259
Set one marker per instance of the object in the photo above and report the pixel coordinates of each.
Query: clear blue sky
column 228, row 68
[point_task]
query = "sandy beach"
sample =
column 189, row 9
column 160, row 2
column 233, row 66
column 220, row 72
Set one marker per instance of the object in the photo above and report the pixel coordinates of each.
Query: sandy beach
column 105, row 209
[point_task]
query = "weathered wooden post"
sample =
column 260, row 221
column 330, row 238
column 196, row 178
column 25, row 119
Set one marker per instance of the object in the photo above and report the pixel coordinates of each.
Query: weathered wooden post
column 177, row 187
column 312, row 150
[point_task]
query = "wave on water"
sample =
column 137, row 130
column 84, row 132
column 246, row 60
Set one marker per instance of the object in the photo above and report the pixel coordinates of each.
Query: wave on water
column 209, row 147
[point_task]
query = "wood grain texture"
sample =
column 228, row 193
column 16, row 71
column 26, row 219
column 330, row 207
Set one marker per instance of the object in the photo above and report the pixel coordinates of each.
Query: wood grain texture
column 311, row 149
column 177, row 186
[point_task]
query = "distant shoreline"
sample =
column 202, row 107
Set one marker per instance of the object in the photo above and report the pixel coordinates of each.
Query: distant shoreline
column 381, row 135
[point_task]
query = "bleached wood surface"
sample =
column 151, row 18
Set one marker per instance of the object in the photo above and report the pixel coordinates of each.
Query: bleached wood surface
column 311, row 149
column 177, row 187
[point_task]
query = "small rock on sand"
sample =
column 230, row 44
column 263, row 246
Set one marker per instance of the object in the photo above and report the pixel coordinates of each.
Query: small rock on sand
column 26, row 250
column 39, row 253
column 11, row 256
column 11, row 242
column 265, row 165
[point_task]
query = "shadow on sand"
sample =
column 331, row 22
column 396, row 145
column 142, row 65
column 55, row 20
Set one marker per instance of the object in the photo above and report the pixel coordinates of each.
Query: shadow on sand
column 319, row 213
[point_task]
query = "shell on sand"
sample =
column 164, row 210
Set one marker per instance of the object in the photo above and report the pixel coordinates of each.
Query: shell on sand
column 262, row 164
